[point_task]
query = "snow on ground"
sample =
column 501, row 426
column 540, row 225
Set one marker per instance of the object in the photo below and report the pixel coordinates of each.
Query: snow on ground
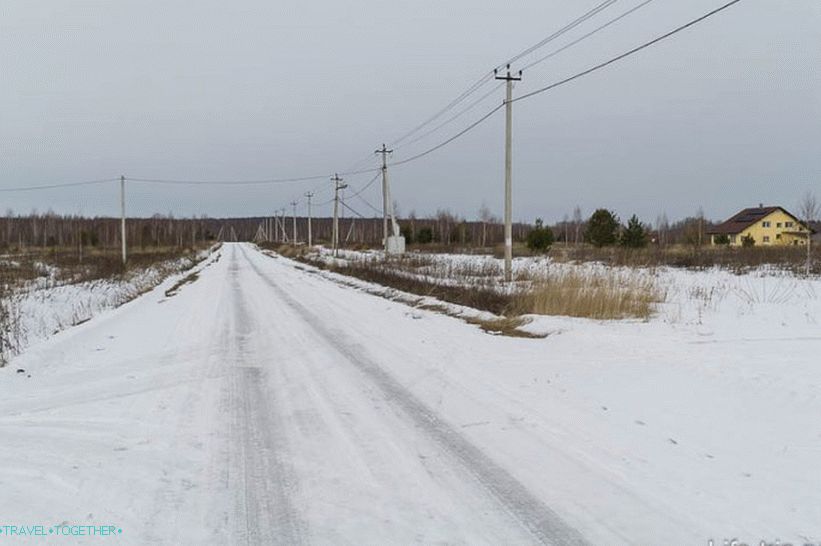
column 765, row 302
column 269, row 403
column 44, row 306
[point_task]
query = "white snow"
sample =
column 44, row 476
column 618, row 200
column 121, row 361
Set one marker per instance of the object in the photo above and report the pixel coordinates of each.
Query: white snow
column 267, row 403
column 45, row 306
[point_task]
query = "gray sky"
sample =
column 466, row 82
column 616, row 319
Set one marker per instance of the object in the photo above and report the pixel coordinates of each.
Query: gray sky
column 722, row 116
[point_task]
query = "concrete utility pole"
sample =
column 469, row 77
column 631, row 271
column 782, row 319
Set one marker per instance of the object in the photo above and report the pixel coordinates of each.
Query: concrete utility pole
column 294, row 204
column 122, row 218
column 308, row 195
column 508, row 167
column 385, row 197
column 338, row 185
column 282, row 224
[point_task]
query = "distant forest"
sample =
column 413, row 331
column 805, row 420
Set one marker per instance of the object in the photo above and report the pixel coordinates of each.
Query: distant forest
column 444, row 228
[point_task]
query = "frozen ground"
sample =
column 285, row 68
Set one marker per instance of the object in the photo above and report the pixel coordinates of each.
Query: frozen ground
column 267, row 403
column 44, row 306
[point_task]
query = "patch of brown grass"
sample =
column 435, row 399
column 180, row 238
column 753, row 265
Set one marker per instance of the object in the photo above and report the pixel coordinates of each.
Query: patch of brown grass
column 188, row 279
column 505, row 326
column 604, row 295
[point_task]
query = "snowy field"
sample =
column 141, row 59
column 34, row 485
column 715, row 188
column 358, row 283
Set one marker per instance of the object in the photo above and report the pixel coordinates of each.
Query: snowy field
column 46, row 305
column 269, row 402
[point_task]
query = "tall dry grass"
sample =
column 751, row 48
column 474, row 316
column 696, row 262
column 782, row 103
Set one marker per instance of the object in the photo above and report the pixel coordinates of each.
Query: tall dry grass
column 606, row 295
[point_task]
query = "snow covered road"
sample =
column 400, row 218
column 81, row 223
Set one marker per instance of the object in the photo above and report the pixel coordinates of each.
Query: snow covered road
column 266, row 404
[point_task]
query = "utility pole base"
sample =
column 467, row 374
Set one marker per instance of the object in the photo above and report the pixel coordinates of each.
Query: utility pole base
column 395, row 245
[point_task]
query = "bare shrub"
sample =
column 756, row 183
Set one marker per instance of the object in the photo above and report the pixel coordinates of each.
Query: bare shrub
column 736, row 259
column 570, row 290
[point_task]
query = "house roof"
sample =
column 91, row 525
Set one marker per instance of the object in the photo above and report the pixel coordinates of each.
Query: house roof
column 745, row 219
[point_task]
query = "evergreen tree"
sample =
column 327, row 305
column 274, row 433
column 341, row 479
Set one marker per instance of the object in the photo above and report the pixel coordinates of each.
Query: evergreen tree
column 635, row 235
column 540, row 237
column 425, row 236
column 722, row 239
column 602, row 228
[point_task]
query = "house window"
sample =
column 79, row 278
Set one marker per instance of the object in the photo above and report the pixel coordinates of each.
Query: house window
column 778, row 224
column 788, row 224
column 778, row 237
column 765, row 224
column 732, row 239
column 766, row 238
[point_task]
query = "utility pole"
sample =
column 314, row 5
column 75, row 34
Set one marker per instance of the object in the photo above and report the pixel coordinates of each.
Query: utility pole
column 509, row 79
column 338, row 185
column 282, row 224
column 385, row 197
column 308, row 195
column 122, row 218
column 294, row 204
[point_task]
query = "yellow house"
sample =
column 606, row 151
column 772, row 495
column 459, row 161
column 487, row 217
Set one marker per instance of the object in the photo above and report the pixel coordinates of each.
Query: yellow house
column 766, row 226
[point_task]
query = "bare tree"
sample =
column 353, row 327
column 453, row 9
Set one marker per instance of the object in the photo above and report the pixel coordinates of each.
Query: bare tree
column 577, row 222
column 662, row 226
column 566, row 226
column 486, row 217
column 809, row 211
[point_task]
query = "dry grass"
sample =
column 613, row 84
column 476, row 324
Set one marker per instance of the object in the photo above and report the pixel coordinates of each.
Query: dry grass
column 504, row 326
column 603, row 295
column 22, row 271
column 188, row 279
column 287, row 250
column 735, row 259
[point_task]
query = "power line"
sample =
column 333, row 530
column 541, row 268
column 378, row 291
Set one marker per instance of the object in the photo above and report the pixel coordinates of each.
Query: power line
column 568, row 80
column 366, row 186
column 227, row 182
column 468, row 108
column 588, row 35
column 367, row 203
column 487, row 77
column 568, row 27
column 451, row 139
column 344, row 204
column 61, row 185
column 456, row 101
column 628, row 53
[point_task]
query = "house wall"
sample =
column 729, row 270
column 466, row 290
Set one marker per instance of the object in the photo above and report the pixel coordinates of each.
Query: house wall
column 773, row 229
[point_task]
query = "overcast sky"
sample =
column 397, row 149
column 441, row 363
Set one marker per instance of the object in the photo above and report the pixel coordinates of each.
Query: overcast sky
column 722, row 116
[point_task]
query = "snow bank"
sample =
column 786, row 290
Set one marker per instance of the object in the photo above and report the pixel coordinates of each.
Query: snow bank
column 45, row 306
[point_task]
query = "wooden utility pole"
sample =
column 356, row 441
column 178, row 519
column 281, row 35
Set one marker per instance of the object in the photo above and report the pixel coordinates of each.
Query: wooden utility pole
column 509, row 79
column 122, row 218
column 308, row 195
column 338, row 185
column 385, row 197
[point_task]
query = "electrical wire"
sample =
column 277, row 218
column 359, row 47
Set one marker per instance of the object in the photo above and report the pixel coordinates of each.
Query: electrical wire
column 226, row 182
column 344, row 204
column 456, row 101
column 470, row 107
column 627, row 53
column 568, row 27
column 586, row 36
column 487, row 77
column 366, row 186
column 367, row 203
column 449, row 140
column 62, row 185
column 568, row 80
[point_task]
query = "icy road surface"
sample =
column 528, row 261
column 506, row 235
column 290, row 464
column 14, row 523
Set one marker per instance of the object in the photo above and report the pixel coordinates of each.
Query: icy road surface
column 265, row 404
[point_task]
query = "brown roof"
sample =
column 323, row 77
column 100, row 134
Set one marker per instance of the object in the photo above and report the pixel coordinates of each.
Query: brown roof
column 745, row 219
